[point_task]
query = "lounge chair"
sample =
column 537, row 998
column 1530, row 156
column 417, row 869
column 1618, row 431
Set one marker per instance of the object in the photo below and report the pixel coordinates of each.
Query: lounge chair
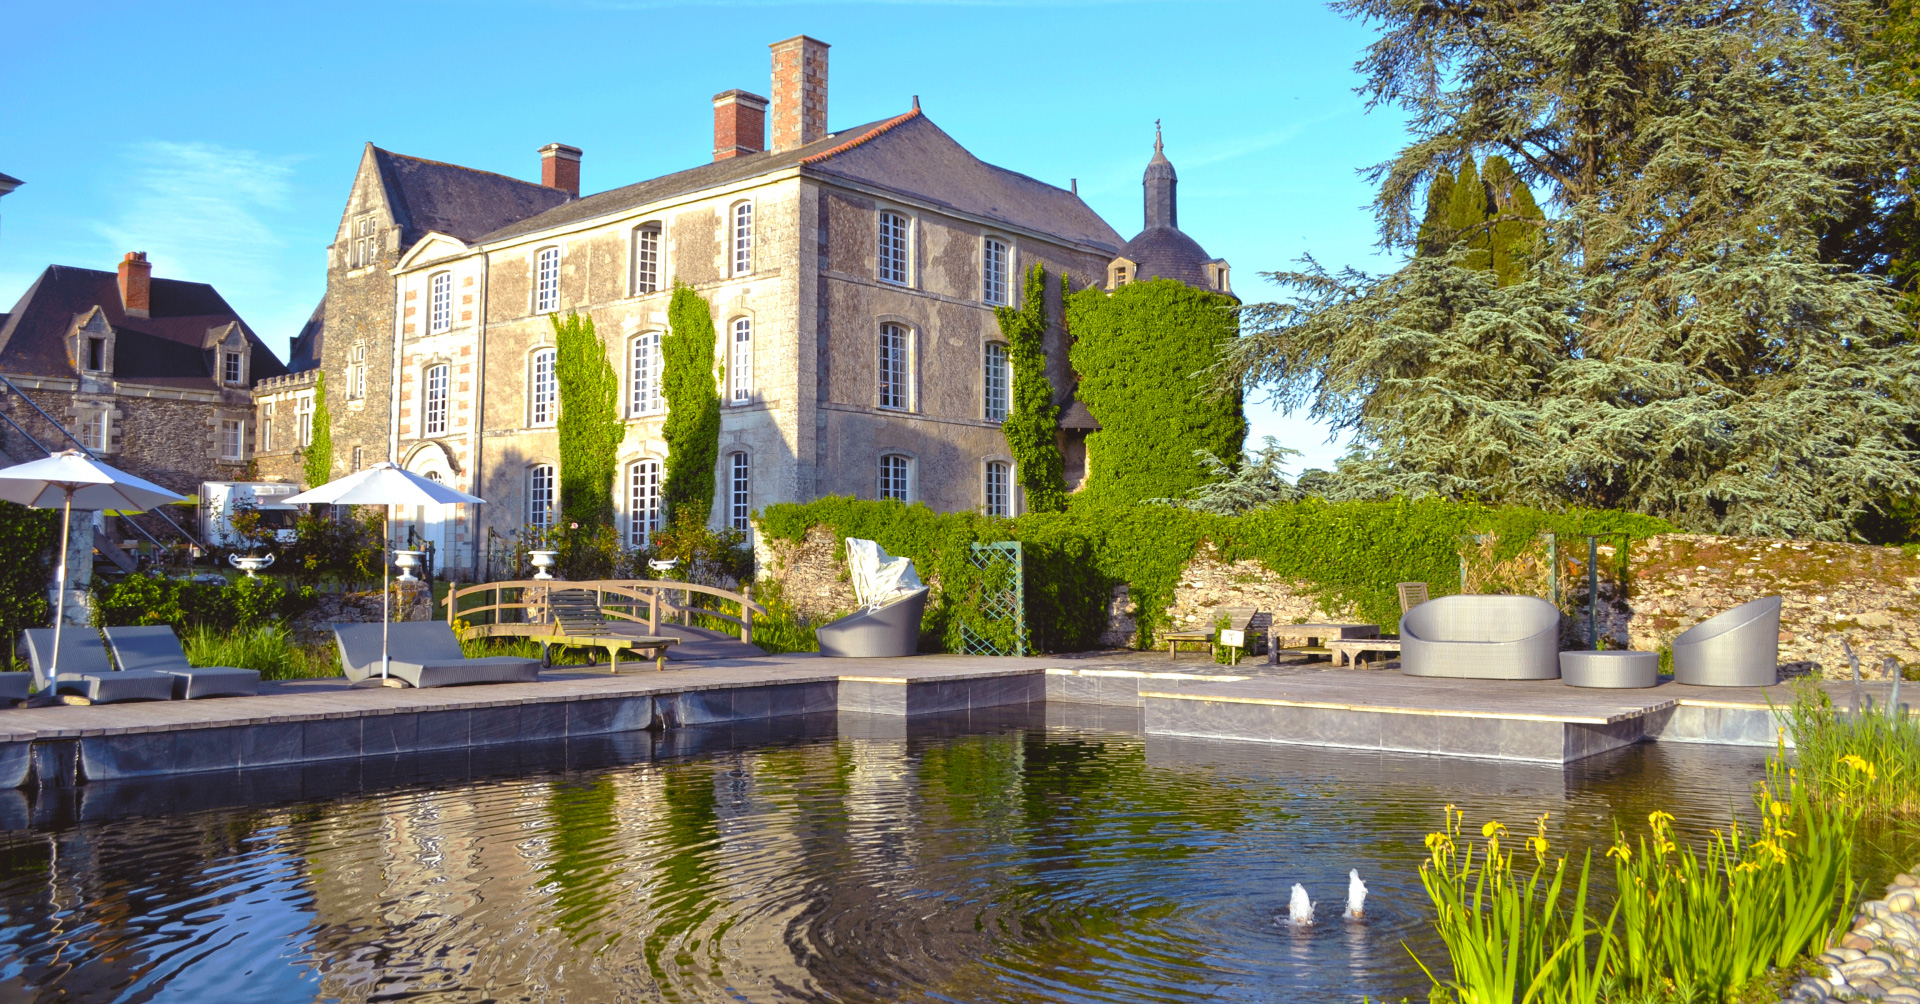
column 86, row 671
column 158, row 649
column 424, row 654
column 1482, row 638
column 579, row 622
column 890, row 631
column 1737, row 648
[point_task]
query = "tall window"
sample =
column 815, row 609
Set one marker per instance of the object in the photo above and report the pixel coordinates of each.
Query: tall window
column 893, row 248
column 740, row 363
column 737, row 492
column 546, row 281
column 894, row 368
column 435, row 414
column 893, row 477
column 230, row 367
column 993, row 272
column 266, row 427
column 644, row 382
column 646, row 258
column 540, row 495
column 231, row 443
column 999, row 489
column 440, row 304
column 366, row 250
column 543, row 389
column 995, row 380
column 643, row 502
column 359, row 457
column 303, row 418
column 94, row 430
column 356, row 372
column 743, row 238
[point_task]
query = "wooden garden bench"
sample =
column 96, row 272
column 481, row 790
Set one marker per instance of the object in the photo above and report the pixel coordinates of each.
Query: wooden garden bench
column 578, row 622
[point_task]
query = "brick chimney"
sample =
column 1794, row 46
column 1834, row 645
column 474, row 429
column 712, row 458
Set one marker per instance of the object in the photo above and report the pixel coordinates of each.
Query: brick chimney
column 739, row 124
column 799, row 92
column 560, row 167
column 136, row 284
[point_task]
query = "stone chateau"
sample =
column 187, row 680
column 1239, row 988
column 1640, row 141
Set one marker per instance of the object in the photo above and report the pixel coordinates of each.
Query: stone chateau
column 852, row 275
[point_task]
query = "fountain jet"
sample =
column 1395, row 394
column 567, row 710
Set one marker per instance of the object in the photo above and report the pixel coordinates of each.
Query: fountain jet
column 1356, row 895
column 1300, row 909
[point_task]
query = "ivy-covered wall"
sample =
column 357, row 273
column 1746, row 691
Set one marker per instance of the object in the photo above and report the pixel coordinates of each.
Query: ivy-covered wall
column 317, row 463
column 1032, row 427
column 1141, row 352
column 589, row 427
column 1353, row 553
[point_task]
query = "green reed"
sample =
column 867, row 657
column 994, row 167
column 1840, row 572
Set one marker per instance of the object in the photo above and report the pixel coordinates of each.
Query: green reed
column 268, row 648
column 1834, row 747
column 1684, row 924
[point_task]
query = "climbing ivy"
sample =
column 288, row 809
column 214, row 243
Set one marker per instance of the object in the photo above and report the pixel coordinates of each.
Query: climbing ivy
column 1032, row 427
column 692, row 429
column 1142, row 352
column 589, row 427
column 1352, row 553
column 317, row 464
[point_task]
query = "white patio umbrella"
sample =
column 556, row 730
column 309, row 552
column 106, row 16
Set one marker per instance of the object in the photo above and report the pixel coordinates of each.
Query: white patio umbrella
column 71, row 478
column 387, row 485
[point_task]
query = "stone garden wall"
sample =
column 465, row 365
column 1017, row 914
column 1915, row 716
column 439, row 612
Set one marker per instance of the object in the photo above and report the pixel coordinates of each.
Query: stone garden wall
column 1867, row 597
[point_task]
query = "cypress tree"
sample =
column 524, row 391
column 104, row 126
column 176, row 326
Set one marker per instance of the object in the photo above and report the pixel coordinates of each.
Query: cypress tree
column 692, row 429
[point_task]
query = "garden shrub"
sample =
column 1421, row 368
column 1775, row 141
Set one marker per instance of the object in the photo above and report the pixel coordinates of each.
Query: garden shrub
column 250, row 603
column 589, row 428
column 692, row 429
column 1351, row 553
column 31, row 540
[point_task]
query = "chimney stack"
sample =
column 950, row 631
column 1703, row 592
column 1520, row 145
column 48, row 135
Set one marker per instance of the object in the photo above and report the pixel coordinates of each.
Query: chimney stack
column 136, row 284
column 560, row 167
column 739, row 124
column 799, row 92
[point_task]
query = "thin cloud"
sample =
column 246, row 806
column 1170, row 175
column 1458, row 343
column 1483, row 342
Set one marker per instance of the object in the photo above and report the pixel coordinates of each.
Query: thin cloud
column 200, row 212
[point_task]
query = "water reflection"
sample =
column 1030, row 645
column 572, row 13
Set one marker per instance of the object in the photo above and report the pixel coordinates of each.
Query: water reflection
column 974, row 858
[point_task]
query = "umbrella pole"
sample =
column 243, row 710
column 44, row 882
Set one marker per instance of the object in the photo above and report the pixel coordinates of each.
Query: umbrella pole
column 386, row 590
column 60, row 591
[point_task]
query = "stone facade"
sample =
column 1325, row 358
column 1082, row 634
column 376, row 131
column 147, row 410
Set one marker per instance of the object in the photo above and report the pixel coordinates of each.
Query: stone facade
column 283, row 409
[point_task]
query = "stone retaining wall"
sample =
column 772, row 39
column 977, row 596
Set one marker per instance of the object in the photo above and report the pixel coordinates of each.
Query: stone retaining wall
column 1867, row 597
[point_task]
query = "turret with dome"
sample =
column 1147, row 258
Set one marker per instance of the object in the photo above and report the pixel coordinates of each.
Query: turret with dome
column 1162, row 251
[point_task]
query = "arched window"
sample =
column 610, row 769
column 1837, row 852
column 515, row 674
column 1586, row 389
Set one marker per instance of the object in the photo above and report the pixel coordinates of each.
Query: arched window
column 543, row 389
column 540, row 489
column 895, row 477
column 743, row 238
column 646, row 258
column 895, row 368
column 440, row 303
column 892, row 250
column 546, row 281
column 999, row 488
column 434, row 414
column 994, row 263
column 643, row 381
column 643, row 502
column 739, row 497
column 995, row 380
column 740, row 362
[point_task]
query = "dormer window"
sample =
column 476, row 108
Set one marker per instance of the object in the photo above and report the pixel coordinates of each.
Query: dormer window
column 1217, row 276
column 96, row 354
column 1119, row 273
column 231, row 370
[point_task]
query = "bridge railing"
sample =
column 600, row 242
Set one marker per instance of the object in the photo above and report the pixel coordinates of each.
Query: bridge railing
column 518, row 607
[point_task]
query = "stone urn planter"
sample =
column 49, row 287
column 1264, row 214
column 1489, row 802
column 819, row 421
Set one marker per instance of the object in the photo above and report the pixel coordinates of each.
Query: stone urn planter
column 406, row 562
column 250, row 563
column 542, row 562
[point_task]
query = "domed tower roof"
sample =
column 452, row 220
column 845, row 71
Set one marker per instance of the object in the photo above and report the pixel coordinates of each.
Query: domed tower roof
column 1161, row 250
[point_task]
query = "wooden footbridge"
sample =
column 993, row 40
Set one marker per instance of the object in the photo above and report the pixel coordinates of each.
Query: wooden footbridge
column 686, row 628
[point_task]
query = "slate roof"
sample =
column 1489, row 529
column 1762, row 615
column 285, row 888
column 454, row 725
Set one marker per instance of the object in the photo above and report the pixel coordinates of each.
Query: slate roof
column 304, row 353
column 1166, row 253
column 8, row 179
column 907, row 154
column 164, row 349
column 427, row 195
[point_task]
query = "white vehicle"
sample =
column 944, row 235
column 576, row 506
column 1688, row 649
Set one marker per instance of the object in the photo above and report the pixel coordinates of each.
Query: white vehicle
column 219, row 500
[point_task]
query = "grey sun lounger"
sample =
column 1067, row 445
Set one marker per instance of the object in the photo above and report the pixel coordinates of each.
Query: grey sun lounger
column 158, row 649
column 424, row 654
column 889, row 632
column 85, row 669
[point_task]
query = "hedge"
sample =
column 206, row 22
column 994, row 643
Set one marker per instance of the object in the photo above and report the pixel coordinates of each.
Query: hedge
column 1352, row 553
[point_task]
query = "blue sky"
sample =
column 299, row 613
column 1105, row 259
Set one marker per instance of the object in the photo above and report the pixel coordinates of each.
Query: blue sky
column 222, row 138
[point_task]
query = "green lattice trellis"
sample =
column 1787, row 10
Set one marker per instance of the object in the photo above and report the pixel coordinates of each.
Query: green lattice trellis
column 999, row 602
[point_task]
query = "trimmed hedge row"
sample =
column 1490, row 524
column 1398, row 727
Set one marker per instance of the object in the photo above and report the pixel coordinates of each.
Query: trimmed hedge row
column 1353, row 552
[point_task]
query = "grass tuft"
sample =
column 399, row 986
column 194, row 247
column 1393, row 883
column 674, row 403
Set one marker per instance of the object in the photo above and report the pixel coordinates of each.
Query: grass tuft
column 267, row 648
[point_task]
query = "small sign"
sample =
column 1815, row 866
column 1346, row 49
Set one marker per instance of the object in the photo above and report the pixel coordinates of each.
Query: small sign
column 1233, row 639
